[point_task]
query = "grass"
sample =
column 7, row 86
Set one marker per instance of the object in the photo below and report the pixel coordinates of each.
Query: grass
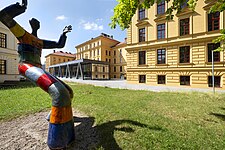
column 127, row 119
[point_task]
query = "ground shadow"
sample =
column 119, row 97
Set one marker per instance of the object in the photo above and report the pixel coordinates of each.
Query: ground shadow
column 88, row 136
column 222, row 108
column 220, row 116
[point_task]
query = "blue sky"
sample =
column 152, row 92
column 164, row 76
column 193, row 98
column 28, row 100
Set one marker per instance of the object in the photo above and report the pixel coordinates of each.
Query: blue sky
column 89, row 18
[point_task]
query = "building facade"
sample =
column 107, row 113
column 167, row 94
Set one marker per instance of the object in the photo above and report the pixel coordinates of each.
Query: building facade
column 8, row 56
column 85, row 69
column 118, row 63
column 175, row 52
column 106, row 49
column 57, row 58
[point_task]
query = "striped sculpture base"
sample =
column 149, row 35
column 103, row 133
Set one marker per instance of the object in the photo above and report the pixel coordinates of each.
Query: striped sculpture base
column 60, row 135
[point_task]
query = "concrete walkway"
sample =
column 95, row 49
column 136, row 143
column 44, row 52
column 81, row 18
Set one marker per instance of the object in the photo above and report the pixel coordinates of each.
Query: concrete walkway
column 123, row 84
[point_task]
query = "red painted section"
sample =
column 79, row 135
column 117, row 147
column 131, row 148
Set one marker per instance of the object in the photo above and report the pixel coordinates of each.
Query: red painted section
column 23, row 68
column 45, row 81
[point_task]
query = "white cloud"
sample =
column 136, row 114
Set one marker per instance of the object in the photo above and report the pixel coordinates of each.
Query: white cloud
column 90, row 25
column 99, row 19
column 62, row 17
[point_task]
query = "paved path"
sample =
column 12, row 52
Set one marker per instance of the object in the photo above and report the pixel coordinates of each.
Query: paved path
column 123, row 84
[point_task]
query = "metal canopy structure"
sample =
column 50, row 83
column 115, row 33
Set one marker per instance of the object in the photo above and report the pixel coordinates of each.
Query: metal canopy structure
column 85, row 69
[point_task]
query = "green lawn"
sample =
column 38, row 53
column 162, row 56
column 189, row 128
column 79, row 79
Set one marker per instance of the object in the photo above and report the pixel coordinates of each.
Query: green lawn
column 130, row 119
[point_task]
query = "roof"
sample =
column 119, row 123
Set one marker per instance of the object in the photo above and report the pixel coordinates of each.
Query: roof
column 124, row 43
column 82, row 61
column 103, row 35
column 61, row 53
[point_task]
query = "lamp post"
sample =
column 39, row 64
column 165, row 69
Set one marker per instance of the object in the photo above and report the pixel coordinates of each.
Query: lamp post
column 213, row 82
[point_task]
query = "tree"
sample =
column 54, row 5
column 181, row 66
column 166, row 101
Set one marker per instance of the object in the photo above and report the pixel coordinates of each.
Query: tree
column 125, row 10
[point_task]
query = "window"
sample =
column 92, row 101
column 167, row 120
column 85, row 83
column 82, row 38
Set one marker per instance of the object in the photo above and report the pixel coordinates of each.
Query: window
column 142, row 60
column 121, row 59
column 185, row 54
column 64, row 60
column 2, row 40
column 103, row 76
column 161, row 56
column 96, row 69
column 184, row 26
column 109, row 60
column 142, row 78
column 142, row 35
column 141, row 13
column 54, row 59
column 106, row 52
column 161, row 79
column 114, row 53
column 114, row 61
column 184, row 80
column 216, row 81
column 114, row 76
column 216, row 55
column 109, row 53
column 161, row 7
column 2, row 66
column 103, row 69
column 90, row 54
column 121, row 69
column 120, row 52
column 214, row 21
column 115, row 69
column 161, row 31
column 106, row 59
column 94, row 52
column 98, row 51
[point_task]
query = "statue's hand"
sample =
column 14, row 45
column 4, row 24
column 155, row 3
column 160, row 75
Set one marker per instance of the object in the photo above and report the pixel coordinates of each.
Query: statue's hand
column 67, row 29
column 24, row 3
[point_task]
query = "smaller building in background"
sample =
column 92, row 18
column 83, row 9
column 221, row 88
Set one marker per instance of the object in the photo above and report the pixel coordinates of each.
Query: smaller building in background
column 106, row 49
column 118, row 63
column 85, row 69
column 57, row 58
column 8, row 56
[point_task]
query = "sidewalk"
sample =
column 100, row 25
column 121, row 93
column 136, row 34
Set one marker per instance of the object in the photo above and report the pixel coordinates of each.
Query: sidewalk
column 122, row 84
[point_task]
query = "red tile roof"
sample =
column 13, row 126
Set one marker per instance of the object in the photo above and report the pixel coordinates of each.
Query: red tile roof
column 61, row 53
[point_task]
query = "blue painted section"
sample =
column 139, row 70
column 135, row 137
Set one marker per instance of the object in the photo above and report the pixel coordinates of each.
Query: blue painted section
column 60, row 135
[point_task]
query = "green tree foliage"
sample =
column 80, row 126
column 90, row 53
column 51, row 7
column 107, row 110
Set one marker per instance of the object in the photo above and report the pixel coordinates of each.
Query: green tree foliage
column 125, row 10
column 219, row 6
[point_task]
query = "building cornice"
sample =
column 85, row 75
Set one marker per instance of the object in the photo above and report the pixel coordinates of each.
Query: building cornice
column 195, row 38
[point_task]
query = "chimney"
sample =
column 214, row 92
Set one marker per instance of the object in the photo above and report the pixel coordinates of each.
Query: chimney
column 53, row 51
column 111, row 36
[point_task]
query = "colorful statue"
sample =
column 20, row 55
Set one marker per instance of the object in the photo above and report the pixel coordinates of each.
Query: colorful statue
column 61, row 125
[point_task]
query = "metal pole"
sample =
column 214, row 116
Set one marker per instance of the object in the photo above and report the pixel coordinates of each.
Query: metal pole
column 213, row 82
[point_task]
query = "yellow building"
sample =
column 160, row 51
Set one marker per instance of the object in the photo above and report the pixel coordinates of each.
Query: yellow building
column 118, row 63
column 57, row 58
column 8, row 56
column 105, row 48
column 176, row 52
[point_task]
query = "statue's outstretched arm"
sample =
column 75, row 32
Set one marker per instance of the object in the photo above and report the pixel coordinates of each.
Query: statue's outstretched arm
column 62, row 40
column 8, row 13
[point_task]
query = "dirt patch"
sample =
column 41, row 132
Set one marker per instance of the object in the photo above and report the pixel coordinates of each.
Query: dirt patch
column 30, row 133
